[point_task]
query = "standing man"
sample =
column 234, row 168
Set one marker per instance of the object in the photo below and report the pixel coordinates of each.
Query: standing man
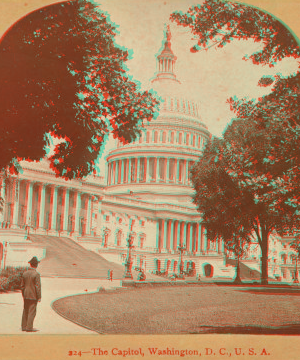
column 31, row 291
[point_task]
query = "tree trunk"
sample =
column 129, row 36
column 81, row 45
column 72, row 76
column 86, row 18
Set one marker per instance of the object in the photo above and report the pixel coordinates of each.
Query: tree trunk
column 264, row 257
column 237, row 279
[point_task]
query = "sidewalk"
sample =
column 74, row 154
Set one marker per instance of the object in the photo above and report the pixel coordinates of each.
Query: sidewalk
column 47, row 321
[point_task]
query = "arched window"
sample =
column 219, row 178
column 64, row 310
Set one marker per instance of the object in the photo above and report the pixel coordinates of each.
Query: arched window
column 164, row 136
column 119, row 238
column 148, row 137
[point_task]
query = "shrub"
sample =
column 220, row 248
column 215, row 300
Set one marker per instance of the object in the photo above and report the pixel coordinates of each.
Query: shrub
column 10, row 278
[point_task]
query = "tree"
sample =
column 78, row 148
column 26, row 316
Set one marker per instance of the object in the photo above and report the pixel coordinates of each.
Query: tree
column 232, row 205
column 259, row 150
column 62, row 74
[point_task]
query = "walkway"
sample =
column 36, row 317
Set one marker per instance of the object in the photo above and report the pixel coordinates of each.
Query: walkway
column 47, row 320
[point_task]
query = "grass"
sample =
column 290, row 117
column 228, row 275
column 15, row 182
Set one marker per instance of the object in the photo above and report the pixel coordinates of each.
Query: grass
column 185, row 310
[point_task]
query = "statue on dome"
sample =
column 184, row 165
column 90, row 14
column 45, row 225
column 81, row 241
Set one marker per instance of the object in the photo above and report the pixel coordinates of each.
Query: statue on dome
column 168, row 33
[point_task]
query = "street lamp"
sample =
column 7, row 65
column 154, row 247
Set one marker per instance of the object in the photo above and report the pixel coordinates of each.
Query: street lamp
column 128, row 262
column 181, row 249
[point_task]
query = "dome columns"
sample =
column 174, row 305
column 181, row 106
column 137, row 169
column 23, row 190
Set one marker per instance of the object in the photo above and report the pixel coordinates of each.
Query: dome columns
column 149, row 170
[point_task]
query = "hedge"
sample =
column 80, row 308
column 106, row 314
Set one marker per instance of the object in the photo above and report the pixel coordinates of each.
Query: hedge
column 10, row 278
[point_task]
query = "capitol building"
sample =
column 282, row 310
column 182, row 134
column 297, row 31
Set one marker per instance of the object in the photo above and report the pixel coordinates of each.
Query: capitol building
column 146, row 192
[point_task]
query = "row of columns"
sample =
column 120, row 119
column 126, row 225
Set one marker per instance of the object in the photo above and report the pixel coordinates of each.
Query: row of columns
column 166, row 64
column 192, row 236
column 14, row 202
column 149, row 170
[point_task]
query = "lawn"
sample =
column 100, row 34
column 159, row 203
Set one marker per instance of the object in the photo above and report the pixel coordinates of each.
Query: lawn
column 186, row 310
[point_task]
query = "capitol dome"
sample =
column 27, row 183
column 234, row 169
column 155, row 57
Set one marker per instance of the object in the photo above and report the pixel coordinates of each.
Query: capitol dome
column 156, row 167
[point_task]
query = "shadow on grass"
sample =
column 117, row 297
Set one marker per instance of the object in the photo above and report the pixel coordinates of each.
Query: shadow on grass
column 258, row 289
column 272, row 291
column 293, row 329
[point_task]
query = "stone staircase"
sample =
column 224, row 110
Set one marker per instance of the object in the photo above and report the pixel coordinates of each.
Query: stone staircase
column 65, row 258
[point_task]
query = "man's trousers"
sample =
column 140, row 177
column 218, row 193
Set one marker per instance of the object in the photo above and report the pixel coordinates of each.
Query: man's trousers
column 29, row 313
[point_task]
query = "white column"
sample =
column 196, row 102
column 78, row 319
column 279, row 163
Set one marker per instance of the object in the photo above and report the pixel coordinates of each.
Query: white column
column 199, row 238
column 88, row 215
column 29, row 189
column 42, row 193
column 53, row 207
column 129, row 170
column 117, row 162
column 109, row 174
column 157, row 169
column 184, row 239
column 138, row 169
column 148, row 170
column 66, row 201
column 114, row 173
column 15, row 201
column 186, row 171
column 204, row 240
column 122, row 171
column 171, row 236
column 177, row 171
column 77, row 212
column 165, row 234
column 178, row 240
column 191, row 236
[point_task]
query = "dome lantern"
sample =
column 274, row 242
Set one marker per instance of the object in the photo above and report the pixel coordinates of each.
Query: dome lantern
column 166, row 61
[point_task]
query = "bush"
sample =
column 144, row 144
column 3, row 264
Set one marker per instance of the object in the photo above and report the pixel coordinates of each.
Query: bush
column 10, row 278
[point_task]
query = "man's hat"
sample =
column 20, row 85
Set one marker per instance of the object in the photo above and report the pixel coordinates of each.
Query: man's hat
column 34, row 261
